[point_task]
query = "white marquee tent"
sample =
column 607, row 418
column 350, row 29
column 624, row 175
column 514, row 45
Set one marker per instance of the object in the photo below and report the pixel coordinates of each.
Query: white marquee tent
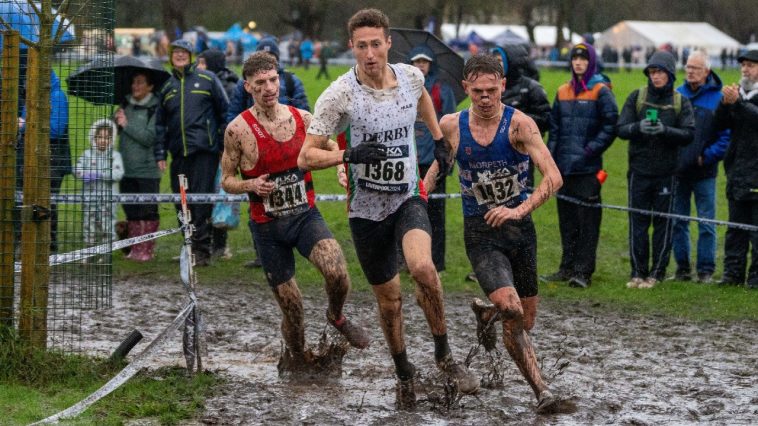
column 700, row 35
column 544, row 34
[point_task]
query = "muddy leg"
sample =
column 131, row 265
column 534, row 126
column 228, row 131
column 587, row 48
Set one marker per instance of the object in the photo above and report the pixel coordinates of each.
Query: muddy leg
column 327, row 257
column 516, row 339
column 417, row 248
column 390, row 303
column 290, row 302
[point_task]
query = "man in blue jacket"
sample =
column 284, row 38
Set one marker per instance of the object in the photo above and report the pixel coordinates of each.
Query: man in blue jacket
column 291, row 92
column 190, row 123
column 582, row 127
column 696, row 170
column 444, row 103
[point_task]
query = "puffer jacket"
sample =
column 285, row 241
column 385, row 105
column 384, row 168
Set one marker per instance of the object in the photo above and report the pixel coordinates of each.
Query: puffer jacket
column 138, row 138
column 191, row 116
column 740, row 163
column 522, row 92
column 655, row 155
column 582, row 127
column 708, row 142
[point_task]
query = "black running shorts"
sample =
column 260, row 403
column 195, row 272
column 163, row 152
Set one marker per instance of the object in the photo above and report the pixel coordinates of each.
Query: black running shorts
column 276, row 239
column 503, row 257
column 376, row 242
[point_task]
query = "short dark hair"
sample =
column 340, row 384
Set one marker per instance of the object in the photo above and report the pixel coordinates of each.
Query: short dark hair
column 257, row 62
column 482, row 64
column 373, row 18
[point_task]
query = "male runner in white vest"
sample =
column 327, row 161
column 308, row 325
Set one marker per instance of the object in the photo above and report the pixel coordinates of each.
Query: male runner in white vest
column 378, row 103
column 493, row 145
column 263, row 143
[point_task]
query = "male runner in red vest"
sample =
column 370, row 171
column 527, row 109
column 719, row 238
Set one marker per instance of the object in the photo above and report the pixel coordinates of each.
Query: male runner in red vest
column 263, row 143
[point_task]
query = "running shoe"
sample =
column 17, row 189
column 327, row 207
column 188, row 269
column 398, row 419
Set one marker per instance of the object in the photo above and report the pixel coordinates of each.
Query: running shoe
column 354, row 333
column 556, row 277
column 487, row 336
column 466, row 381
column 405, row 394
column 648, row 283
column 635, row 282
column 547, row 403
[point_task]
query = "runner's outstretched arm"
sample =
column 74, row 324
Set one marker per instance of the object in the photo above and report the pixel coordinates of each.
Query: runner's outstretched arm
column 525, row 137
column 318, row 153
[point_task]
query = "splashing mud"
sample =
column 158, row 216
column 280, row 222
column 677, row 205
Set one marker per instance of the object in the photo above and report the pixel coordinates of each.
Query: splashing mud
column 605, row 366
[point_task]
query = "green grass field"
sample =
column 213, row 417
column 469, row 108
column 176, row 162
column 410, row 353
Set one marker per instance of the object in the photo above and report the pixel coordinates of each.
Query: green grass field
column 674, row 298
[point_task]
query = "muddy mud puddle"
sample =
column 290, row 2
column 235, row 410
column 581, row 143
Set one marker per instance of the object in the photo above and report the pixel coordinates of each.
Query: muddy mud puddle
column 614, row 368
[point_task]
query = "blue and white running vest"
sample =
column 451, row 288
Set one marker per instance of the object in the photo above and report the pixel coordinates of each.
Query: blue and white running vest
column 378, row 190
column 493, row 175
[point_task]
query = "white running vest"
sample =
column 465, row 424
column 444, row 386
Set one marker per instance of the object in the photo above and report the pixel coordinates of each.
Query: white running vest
column 378, row 190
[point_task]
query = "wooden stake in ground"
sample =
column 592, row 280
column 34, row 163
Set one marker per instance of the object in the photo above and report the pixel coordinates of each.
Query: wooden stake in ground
column 35, row 212
column 9, row 120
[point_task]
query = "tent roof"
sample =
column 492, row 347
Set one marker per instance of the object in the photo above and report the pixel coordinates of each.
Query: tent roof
column 656, row 33
column 544, row 34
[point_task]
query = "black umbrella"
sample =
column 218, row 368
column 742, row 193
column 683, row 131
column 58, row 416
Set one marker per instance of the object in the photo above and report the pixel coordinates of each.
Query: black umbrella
column 106, row 81
column 449, row 63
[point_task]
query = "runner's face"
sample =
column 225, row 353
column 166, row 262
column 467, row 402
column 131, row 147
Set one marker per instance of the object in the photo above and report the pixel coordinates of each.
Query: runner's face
column 370, row 47
column 264, row 86
column 484, row 91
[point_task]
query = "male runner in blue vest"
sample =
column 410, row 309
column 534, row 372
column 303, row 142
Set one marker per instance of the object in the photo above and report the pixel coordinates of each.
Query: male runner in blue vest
column 493, row 144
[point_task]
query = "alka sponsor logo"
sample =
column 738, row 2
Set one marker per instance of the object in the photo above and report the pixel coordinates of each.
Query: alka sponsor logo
column 287, row 177
column 388, row 135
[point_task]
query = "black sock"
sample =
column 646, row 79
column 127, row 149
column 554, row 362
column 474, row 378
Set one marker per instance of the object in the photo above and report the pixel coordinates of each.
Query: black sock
column 441, row 348
column 403, row 368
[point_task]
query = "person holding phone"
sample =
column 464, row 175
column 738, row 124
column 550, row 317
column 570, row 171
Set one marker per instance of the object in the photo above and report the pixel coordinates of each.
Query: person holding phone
column 656, row 120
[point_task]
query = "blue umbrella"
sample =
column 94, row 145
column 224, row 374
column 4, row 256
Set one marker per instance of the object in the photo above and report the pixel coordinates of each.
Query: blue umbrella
column 20, row 16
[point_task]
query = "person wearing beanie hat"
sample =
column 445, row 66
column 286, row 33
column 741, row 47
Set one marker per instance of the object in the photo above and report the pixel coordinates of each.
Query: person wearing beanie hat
column 190, row 122
column 738, row 112
column 582, row 127
column 657, row 121
column 291, row 92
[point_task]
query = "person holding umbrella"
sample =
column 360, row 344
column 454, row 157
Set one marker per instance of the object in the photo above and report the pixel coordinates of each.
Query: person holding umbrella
column 137, row 137
column 443, row 99
column 379, row 103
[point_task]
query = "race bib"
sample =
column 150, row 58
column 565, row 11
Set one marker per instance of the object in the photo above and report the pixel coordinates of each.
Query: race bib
column 390, row 175
column 289, row 197
column 496, row 191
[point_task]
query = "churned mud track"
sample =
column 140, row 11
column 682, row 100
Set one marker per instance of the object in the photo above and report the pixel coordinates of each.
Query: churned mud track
column 614, row 367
